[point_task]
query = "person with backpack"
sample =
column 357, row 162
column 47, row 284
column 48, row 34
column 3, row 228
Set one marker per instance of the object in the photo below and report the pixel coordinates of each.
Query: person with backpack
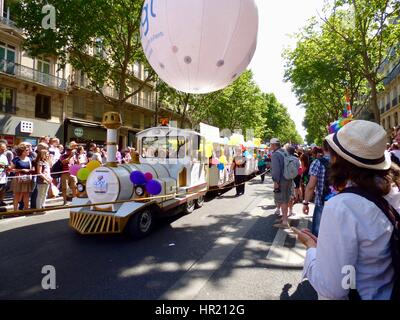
column 357, row 252
column 319, row 185
column 284, row 169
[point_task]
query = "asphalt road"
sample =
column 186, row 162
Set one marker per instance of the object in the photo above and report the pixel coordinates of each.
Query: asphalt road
column 228, row 249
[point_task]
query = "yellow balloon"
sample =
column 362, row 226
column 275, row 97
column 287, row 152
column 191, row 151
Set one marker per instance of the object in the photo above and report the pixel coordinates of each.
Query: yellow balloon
column 223, row 160
column 209, row 150
column 93, row 164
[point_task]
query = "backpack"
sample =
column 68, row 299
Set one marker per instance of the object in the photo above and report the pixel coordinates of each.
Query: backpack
column 57, row 167
column 326, row 191
column 291, row 165
column 394, row 217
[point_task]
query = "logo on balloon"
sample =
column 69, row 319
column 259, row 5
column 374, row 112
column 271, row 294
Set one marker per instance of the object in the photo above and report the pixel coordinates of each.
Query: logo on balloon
column 199, row 53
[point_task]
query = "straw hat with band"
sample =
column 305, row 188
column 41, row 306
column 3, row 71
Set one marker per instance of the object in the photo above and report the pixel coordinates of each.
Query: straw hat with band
column 362, row 143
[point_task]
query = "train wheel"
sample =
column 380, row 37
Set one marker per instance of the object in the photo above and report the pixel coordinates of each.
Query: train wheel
column 189, row 206
column 140, row 224
column 199, row 202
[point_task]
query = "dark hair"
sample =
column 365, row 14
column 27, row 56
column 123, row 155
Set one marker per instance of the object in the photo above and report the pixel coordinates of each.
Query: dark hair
column 378, row 182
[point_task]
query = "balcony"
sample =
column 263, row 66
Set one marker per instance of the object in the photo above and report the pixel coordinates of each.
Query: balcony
column 394, row 102
column 391, row 76
column 6, row 108
column 388, row 106
column 4, row 21
column 26, row 73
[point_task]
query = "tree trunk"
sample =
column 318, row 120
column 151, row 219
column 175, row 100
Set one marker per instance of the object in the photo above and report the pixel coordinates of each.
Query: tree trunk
column 374, row 102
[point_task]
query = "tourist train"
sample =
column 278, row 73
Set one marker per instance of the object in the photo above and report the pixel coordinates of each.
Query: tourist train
column 174, row 171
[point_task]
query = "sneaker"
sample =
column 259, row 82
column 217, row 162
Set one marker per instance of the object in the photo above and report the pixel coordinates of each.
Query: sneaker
column 277, row 211
column 3, row 204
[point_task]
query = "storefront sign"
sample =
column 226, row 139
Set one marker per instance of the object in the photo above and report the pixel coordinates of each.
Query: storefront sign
column 78, row 132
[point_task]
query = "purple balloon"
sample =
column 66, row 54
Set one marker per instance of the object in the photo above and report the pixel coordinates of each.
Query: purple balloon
column 148, row 176
column 137, row 177
column 153, row 187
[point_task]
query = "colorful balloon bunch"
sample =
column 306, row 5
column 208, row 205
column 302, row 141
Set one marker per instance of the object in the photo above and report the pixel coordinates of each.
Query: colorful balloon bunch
column 347, row 116
column 138, row 178
column 82, row 173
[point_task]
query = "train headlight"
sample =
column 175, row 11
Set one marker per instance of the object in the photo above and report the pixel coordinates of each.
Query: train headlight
column 81, row 187
column 139, row 190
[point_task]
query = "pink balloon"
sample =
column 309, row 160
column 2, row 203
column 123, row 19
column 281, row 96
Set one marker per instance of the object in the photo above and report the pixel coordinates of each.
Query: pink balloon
column 214, row 161
column 148, row 176
column 73, row 170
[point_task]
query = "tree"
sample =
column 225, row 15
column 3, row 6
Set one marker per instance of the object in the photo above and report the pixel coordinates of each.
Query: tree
column 277, row 122
column 323, row 69
column 373, row 32
column 99, row 37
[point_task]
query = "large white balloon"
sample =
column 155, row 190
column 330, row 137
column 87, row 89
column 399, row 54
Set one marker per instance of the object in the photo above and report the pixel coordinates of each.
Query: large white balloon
column 199, row 46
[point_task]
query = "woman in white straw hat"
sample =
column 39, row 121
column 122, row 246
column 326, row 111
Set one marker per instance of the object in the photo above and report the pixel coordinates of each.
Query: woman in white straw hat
column 353, row 249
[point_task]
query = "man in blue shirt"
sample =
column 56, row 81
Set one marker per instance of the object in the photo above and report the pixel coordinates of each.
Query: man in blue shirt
column 317, row 183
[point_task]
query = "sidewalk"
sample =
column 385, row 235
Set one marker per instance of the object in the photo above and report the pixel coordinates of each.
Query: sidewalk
column 57, row 201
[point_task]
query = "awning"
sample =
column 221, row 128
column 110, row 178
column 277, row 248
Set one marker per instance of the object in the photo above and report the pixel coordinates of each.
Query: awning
column 85, row 123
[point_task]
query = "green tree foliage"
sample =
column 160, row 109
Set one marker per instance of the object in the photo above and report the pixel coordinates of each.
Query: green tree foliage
column 373, row 32
column 99, row 37
column 342, row 53
column 240, row 106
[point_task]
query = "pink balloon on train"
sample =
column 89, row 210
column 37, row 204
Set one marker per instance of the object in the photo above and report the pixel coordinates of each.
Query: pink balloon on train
column 199, row 46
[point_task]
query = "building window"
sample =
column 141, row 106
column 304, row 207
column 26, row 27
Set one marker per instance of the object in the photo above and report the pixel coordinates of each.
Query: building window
column 43, row 107
column 7, row 100
column 43, row 71
column 98, row 111
column 396, row 119
column 98, row 48
column 79, row 107
column 136, row 69
column 136, row 116
column 7, row 58
column 147, row 122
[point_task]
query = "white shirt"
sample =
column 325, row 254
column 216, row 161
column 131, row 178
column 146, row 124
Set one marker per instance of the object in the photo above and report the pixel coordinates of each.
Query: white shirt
column 353, row 232
column 3, row 176
column 56, row 155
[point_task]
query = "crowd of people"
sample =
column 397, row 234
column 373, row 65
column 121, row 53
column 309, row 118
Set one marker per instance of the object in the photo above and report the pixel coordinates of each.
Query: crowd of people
column 35, row 173
column 354, row 181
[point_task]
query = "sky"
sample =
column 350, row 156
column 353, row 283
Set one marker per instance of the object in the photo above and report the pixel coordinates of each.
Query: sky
column 278, row 19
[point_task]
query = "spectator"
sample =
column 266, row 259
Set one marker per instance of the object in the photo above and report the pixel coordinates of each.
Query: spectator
column 81, row 156
column 44, row 179
column 354, row 231
column 61, row 148
column 318, row 184
column 67, row 180
column 296, row 182
column 261, row 164
column 22, row 184
column 55, row 153
column 238, row 167
column 282, row 186
column 4, row 166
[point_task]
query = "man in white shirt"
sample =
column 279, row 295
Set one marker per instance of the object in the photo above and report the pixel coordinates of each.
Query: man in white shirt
column 53, row 150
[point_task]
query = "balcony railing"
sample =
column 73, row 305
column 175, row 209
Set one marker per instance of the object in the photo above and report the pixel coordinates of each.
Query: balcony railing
column 388, row 106
column 7, row 108
column 9, row 23
column 392, row 75
column 30, row 74
column 394, row 102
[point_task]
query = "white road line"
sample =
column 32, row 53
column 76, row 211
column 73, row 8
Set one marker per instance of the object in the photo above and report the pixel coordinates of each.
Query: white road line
column 282, row 255
column 195, row 278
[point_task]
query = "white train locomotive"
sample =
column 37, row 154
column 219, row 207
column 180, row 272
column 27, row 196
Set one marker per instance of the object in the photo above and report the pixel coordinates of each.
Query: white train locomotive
column 174, row 175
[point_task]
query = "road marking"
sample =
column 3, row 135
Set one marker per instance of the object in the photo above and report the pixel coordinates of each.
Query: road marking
column 196, row 277
column 286, row 256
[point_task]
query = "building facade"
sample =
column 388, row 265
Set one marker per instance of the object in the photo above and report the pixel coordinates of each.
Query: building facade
column 40, row 98
column 389, row 99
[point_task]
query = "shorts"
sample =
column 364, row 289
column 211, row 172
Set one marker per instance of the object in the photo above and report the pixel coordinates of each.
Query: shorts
column 283, row 197
column 68, row 180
